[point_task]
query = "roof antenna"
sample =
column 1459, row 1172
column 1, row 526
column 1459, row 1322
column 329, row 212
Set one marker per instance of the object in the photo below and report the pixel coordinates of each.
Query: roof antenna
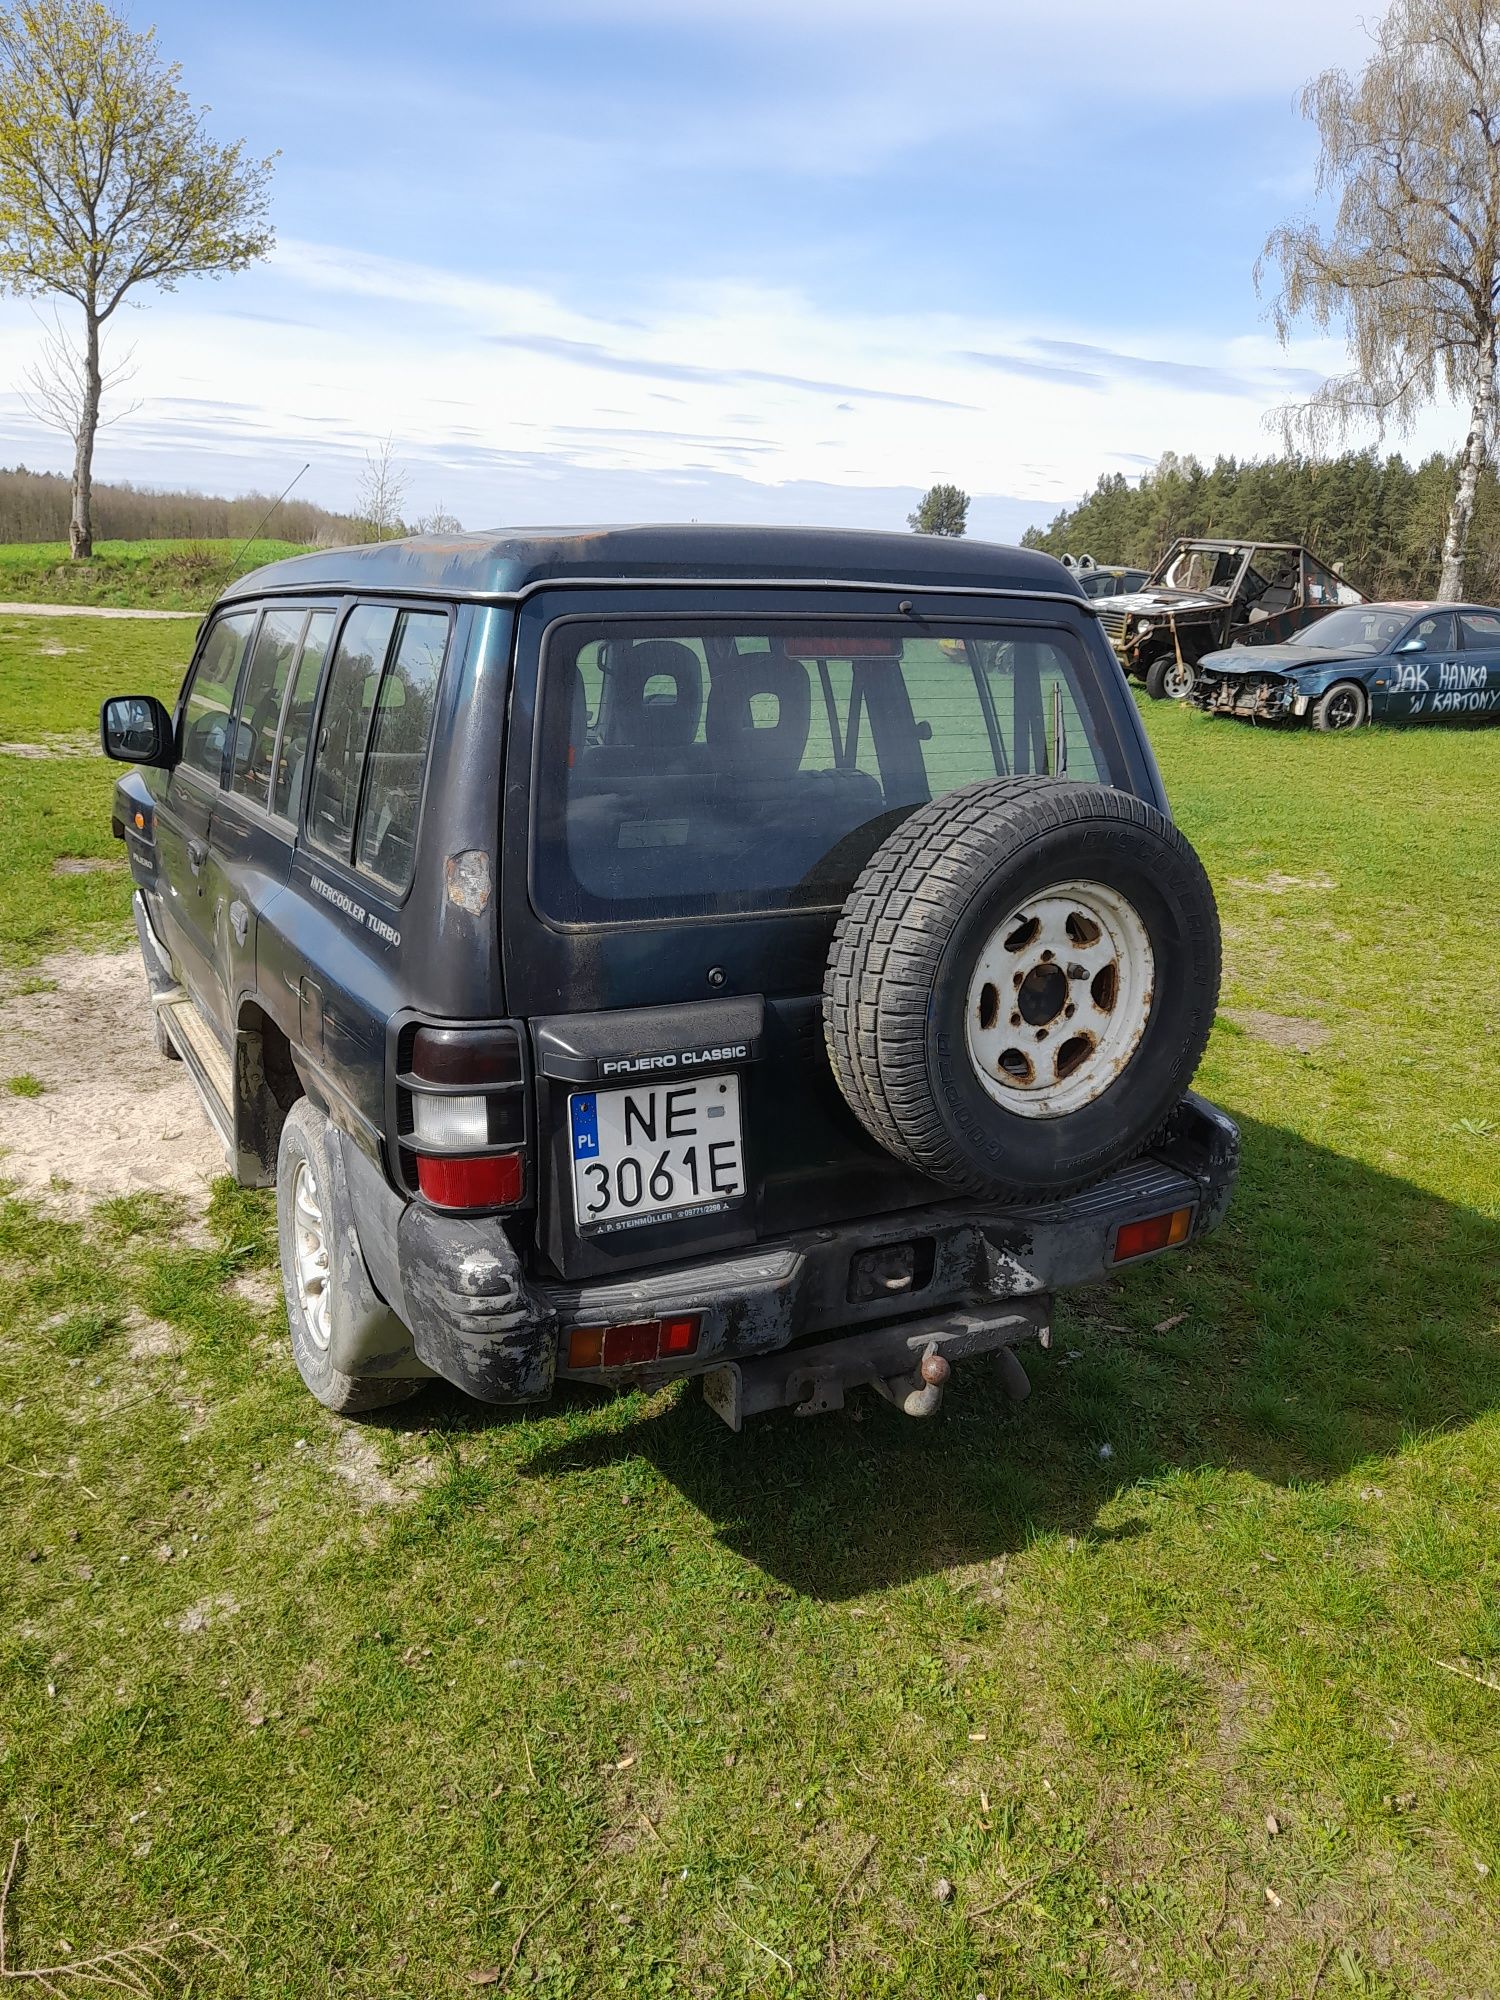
column 255, row 531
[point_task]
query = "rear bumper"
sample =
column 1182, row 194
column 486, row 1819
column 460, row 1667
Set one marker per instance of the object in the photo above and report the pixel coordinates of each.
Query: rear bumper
column 478, row 1320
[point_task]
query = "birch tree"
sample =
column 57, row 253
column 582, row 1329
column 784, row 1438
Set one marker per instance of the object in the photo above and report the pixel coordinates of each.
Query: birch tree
column 109, row 182
column 1410, row 264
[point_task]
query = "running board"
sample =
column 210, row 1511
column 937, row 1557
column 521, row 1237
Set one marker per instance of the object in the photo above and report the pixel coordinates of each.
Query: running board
column 205, row 1060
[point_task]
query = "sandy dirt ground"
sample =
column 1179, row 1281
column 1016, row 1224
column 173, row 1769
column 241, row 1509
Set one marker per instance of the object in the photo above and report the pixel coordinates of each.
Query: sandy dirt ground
column 114, row 1117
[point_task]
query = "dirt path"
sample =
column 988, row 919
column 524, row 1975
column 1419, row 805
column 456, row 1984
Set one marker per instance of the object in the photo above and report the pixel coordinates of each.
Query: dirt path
column 86, row 611
column 113, row 1117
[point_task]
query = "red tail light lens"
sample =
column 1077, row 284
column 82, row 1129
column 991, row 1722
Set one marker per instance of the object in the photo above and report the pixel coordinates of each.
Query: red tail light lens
column 635, row 1343
column 629, row 1346
column 1156, row 1232
column 494, row 1180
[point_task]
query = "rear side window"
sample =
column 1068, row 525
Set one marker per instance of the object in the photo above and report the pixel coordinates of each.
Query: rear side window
column 693, row 768
column 398, row 748
column 205, row 719
column 372, row 739
column 291, row 758
column 1481, row 630
column 258, row 716
column 345, row 726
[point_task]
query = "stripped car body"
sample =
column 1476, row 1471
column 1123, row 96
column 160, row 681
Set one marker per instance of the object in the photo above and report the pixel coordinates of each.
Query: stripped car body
column 486, row 887
column 1204, row 595
column 1399, row 661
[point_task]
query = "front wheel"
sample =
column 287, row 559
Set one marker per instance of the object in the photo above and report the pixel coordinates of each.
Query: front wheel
column 329, row 1298
column 1170, row 679
column 1344, row 706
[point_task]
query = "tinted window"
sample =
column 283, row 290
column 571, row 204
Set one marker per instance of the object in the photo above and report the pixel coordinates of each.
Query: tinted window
column 730, row 769
column 259, row 713
column 1436, row 633
column 344, row 726
column 205, row 720
column 1481, row 631
column 398, row 748
column 292, row 761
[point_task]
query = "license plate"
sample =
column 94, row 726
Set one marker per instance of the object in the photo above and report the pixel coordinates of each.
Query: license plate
column 659, row 1149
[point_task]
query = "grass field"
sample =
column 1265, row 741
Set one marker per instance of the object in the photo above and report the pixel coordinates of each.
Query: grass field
column 1182, row 1679
column 162, row 576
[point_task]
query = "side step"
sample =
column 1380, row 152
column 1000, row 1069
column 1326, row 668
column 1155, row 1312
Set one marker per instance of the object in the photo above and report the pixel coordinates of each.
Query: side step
column 205, row 1059
column 907, row 1363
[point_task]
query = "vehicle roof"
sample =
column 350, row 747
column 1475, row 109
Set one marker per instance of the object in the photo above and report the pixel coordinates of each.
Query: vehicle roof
column 505, row 562
column 1414, row 605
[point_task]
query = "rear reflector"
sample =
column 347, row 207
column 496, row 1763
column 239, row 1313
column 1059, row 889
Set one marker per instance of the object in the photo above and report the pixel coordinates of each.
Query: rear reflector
column 495, row 1180
column 1156, row 1232
column 634, row 1344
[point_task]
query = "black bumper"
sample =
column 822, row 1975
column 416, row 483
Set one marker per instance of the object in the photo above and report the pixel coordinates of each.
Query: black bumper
column 477, row 1319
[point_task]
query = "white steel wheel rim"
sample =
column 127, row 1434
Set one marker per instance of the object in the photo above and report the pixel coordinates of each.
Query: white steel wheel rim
column 1059, row 999
column 310, row 1258
column 1179, row 679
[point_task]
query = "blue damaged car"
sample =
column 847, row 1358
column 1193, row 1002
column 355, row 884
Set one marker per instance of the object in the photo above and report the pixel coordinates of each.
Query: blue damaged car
column 1394, row 662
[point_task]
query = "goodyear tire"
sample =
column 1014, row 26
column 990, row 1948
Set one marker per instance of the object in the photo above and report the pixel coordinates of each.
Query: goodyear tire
column 330, row 1302
column 1021, row 984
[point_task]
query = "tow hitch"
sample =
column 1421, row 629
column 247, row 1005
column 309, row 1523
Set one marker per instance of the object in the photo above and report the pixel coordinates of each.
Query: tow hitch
column 909, row 1365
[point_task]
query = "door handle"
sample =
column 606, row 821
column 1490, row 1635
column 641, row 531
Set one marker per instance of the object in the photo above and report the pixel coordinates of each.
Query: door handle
column 197, row 852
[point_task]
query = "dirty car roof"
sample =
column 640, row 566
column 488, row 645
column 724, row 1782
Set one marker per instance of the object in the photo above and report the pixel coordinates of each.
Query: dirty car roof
column 504, row 562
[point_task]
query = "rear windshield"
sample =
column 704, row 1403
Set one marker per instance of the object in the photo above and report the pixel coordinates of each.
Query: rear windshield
column 698, row 767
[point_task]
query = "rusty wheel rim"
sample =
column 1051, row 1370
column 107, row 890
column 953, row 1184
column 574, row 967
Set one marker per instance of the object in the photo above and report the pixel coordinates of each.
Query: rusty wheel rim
column 1059, row 999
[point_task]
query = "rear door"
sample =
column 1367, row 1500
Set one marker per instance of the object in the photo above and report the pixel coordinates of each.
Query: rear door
column 254, row 820
column 689, row 800
column 1480, row 633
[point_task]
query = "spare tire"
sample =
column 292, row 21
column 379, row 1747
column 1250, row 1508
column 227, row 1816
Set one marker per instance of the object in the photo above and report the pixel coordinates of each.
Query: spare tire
column 1021, row 984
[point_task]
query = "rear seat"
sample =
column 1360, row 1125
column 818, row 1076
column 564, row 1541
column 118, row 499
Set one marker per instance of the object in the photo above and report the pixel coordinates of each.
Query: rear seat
column 655, row 812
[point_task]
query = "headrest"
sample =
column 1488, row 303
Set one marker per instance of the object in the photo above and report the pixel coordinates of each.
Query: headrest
column 745, row 737
column 655, row 694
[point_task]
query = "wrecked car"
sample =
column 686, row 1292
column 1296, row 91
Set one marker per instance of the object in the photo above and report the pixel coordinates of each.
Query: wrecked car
column 1396, row 662
column 764, row 955
column 1204, row 595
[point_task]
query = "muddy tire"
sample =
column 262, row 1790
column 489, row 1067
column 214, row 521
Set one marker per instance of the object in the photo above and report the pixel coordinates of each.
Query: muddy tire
column 1344, row 706
column 329, row 1298
column 1170, row 679
column 1021, row 984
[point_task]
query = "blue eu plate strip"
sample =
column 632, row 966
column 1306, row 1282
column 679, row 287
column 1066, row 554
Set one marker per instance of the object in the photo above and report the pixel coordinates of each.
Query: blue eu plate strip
column 585, row 1127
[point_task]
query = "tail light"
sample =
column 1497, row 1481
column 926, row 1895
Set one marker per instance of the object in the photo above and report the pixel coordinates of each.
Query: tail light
column 1154, row 1232
column 461, row 1115
column 634, row 1344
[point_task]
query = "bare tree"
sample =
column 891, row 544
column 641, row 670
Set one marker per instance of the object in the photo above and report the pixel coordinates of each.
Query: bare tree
column 56, row 389
column 438, row 522
column 380, row 492
column 108, row 182
column 1411, row 264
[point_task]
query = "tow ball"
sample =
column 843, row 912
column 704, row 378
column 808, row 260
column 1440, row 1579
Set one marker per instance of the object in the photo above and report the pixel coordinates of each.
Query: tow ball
column 811, row 1381
column 921, row 1393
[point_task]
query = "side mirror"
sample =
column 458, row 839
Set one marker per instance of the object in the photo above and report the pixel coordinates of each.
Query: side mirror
column 136, row 729
column 1412, row 646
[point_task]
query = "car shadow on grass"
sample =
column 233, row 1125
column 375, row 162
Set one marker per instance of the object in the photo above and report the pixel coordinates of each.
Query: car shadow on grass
column 1339, row 1312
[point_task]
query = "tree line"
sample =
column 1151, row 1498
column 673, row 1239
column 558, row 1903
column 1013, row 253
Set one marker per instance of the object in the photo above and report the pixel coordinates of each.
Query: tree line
column 1378, row 520
column 37, row 507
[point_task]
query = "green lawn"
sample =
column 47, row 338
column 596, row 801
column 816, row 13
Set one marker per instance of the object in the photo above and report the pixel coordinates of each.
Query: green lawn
column 1184, row 1678
column 164, row 576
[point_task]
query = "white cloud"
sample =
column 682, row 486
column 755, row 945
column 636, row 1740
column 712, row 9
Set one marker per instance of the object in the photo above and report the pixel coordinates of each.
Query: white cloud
column 733, row 399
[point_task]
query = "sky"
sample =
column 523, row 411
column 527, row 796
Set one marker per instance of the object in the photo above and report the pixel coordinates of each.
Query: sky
column 774, row 260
